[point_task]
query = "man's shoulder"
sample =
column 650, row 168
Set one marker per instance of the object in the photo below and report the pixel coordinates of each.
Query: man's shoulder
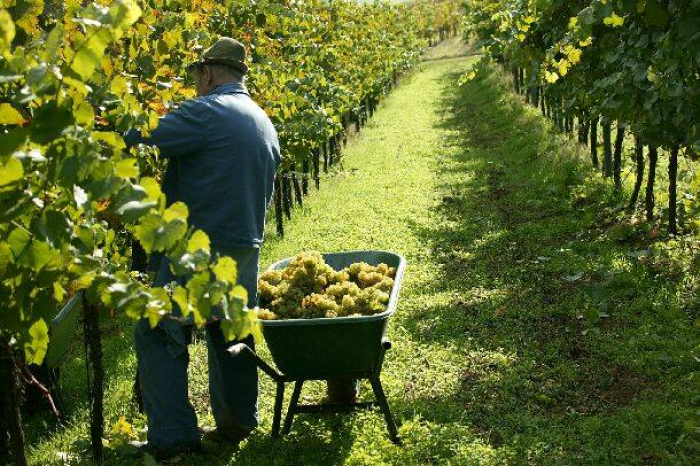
column 197, row 103
column 197, row 107
column 243, row 103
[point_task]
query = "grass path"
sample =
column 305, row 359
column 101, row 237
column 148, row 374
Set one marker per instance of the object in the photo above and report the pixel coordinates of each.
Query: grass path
column 526, row 333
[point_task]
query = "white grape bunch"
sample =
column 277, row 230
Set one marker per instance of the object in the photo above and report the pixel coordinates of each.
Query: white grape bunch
column 308, row 288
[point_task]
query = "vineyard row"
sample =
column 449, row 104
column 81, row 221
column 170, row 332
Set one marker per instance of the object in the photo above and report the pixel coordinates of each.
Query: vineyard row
column 629, row 65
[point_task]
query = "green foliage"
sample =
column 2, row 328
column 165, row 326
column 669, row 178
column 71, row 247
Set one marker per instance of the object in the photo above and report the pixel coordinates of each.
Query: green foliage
column 633, row 62
column 74, row 75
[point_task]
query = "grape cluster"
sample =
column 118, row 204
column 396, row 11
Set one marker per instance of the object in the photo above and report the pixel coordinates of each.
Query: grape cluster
column 309, row 288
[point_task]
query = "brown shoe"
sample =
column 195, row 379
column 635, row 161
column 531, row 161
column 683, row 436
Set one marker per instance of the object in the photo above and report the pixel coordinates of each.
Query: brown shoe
column 222, row 435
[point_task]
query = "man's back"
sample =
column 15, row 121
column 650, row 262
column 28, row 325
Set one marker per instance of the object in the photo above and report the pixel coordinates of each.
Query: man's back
column 223, row 154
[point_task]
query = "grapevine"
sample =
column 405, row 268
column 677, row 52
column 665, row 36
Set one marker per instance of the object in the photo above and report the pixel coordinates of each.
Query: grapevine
column 633, row 65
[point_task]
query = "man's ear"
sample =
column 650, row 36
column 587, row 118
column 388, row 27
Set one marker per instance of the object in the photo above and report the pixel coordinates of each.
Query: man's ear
column 206, row 75
column 207, row 78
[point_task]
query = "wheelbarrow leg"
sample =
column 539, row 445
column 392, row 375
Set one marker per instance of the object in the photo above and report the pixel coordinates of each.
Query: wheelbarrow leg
column 277, row 417
column 292, row 407
column 384, row 405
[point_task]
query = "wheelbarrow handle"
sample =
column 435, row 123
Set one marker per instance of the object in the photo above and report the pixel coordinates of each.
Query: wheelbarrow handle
column 238, row 348
column 243, row 349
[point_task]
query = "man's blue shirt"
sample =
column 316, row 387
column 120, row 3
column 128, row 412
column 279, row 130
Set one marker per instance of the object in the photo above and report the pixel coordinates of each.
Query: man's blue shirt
column 223, row 156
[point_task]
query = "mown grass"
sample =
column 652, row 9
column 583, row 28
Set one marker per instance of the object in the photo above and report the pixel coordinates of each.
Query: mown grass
column 501, row 355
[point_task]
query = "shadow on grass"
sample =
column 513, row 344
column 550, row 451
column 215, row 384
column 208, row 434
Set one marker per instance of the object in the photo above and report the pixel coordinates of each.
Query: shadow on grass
column 549, row 307
column 119, row 363
column 326, row 438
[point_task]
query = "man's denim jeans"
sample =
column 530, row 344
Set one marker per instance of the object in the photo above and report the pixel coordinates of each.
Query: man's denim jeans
column 163, row 358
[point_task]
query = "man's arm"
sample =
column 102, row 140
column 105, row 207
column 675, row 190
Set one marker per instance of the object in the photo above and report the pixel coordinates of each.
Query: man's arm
column 180, row 132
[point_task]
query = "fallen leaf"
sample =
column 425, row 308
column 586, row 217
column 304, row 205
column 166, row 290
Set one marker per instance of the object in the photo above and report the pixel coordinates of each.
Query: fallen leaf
column 573, row 278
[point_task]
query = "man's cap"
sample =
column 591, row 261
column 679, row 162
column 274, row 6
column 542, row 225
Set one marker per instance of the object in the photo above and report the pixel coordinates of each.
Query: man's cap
column 226, row 52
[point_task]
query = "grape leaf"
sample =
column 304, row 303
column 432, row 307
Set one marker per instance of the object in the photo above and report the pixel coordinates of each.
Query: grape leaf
column 5, row 257
column 49, row 121
column 152, row 188
column 84, row 114
column 127, row 168
column 89, row 51
column 35, row 349
column 240, row 294
column 113, row 139
column 225, row 270
column 124, row 13
column 7, row 31
column 54, row 41
column 198, row 296
column 13, row 140
column 18, row 240
column 158, row 306
column 54, row 227
column 10, row 116
column 134, row 210
column 199, row 240
column 11, row 172
column 158, row 233
column 176, row 212
column 39, row 255
column 180, row 298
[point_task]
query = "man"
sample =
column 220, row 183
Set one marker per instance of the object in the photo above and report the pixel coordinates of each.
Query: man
column 223, row 156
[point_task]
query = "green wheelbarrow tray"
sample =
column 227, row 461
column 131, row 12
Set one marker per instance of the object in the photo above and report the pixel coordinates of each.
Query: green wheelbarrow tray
column 330, row 348
column 62, row 330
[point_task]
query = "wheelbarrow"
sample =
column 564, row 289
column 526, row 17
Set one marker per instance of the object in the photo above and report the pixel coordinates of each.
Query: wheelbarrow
column 329, row 348
column 62, row 329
